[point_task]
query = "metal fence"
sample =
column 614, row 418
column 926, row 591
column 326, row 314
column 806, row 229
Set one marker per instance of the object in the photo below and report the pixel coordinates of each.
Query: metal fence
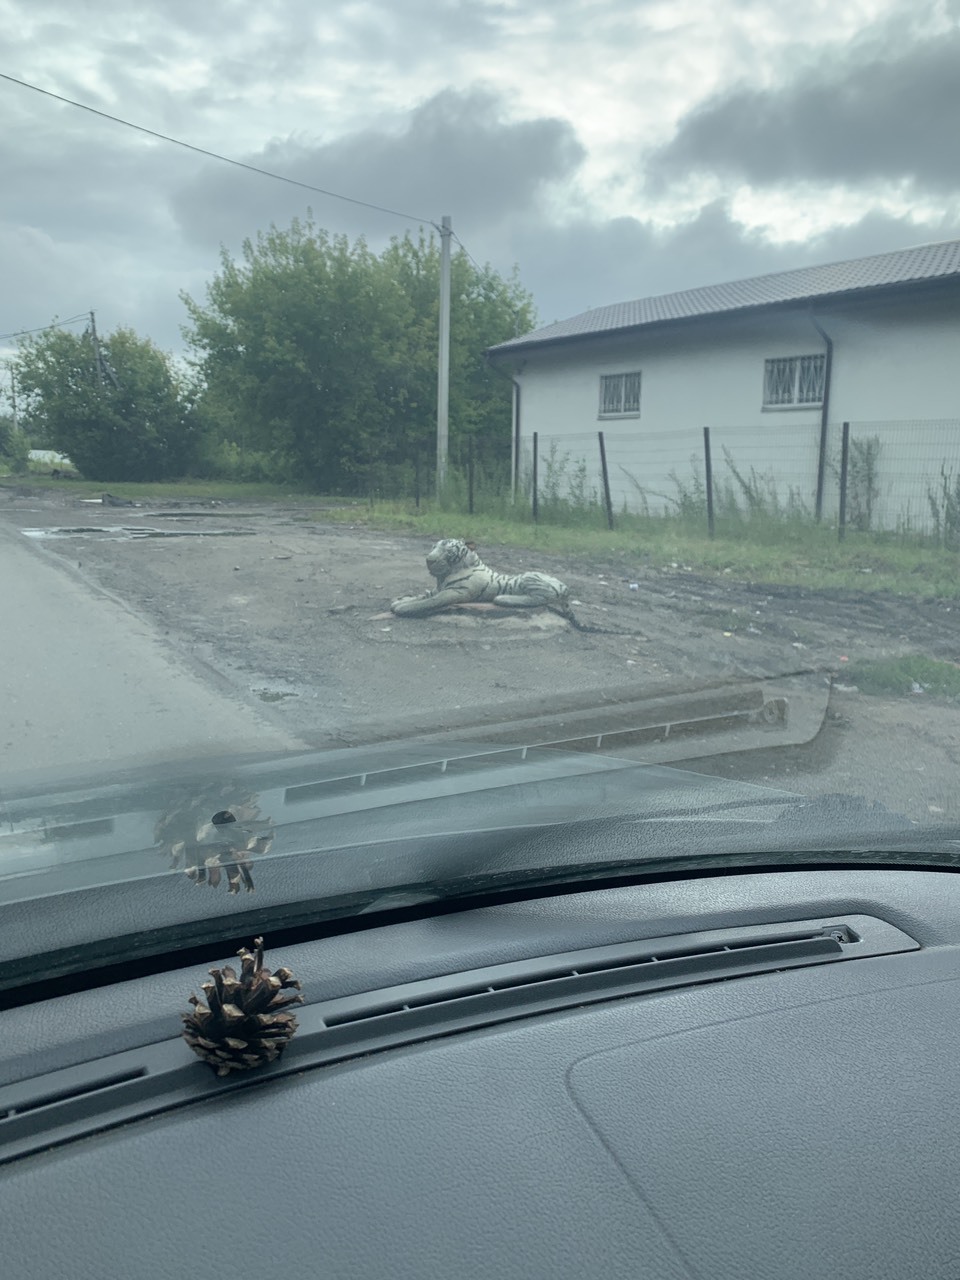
column 478, row 472
column 895, row 476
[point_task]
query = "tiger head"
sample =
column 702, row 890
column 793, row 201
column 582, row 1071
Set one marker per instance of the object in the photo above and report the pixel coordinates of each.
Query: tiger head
column 451, row 554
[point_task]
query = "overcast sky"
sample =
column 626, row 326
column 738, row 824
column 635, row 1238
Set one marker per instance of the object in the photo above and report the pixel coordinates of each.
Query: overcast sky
column 612, row 149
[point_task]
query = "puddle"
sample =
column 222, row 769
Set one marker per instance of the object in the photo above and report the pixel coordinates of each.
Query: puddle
column 127, row 533
column 275, row 695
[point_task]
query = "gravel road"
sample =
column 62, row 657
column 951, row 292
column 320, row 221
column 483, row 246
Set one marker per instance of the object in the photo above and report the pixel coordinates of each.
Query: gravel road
column 289, row 611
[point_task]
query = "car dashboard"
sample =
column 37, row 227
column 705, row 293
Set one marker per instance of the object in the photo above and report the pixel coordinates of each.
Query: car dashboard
column 744, row 1075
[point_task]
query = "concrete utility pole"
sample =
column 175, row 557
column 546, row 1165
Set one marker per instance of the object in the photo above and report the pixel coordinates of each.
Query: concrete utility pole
column 96, row 347
column 13, row 392
column 443, row 369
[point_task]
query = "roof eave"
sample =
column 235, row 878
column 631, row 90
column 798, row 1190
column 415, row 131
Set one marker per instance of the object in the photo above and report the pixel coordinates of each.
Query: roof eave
column 900, row 286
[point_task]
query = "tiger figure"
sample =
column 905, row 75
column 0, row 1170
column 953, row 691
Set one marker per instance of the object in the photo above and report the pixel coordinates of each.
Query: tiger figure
column 463, row 578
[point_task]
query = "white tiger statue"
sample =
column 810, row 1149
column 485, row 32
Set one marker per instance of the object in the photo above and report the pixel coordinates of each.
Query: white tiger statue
column 463, row 578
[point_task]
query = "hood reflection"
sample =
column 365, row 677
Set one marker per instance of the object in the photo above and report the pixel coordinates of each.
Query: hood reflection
column 212, row 836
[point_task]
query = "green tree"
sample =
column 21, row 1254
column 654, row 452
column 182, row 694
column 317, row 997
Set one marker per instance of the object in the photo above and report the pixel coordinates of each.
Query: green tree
column 14, row 446
column 484, row 309
column 323, row 355
column 133, row 418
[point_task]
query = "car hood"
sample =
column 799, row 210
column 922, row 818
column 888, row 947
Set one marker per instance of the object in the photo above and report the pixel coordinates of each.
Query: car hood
column 74, row 831
column 99, row 869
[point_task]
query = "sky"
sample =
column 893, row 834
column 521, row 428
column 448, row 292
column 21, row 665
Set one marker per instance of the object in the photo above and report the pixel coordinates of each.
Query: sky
column 609, row 149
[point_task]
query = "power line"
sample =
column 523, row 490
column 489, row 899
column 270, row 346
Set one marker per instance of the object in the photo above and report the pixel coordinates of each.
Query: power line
column 215, row 155
column 239, row 164
column 44, row 328
column 467, row 252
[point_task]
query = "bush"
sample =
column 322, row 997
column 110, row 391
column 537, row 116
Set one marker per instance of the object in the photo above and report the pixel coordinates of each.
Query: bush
column 226, row 460
column 14, row 448
column 126, row 416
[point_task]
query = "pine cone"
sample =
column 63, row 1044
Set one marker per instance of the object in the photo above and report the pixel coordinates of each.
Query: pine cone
column 245, row 1022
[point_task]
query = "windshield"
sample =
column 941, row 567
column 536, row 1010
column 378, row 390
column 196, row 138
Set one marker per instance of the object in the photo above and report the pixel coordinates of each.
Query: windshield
column 418, row 422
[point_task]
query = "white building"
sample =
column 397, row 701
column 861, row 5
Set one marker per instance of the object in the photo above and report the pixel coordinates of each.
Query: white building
column 773, row 366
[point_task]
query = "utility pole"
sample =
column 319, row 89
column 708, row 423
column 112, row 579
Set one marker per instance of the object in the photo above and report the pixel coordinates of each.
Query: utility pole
column 13, row 391
column 96, row 347
column 443, row 369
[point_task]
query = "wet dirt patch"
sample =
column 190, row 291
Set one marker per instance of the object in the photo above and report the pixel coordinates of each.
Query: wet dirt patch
column 488, row 624
column 295, row 616
column 190, row 514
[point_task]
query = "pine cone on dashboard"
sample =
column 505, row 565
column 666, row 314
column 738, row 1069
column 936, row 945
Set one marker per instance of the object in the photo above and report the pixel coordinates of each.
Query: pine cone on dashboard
column 246, row 1021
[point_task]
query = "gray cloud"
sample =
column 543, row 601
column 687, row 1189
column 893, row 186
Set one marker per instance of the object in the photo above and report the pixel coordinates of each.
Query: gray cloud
column 456, row 154
column 591, row 264
column 72, row 187
column 881, row 116
column 93, row 215
column 278, row 43
column 48, row 278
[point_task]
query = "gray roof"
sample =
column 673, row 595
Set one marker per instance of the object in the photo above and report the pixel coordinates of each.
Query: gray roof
column 881, row 270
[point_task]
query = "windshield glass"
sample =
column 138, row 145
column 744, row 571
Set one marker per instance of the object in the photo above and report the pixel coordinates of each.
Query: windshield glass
column 421, row 422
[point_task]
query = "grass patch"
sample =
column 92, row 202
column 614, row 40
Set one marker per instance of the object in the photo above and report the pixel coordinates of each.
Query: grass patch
column 775, row 552
column 906, row 675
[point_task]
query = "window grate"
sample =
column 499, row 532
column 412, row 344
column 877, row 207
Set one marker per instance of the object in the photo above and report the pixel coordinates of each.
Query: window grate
column 789, row 380
column 619, row 394
column 810, row 380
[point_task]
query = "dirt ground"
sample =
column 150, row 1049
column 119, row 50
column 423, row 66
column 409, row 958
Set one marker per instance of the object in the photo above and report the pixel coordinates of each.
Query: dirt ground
column 289, row 612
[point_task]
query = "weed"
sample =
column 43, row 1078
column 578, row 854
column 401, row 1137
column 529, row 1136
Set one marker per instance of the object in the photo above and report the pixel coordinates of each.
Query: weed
column 565, row 495
column 863, row 485
column 945, row 508
column 688, row 503
column 910, row 675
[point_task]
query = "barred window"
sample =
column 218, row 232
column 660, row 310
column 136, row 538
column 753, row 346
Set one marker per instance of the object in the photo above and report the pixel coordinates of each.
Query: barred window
column 793, row 380
column 619, row 394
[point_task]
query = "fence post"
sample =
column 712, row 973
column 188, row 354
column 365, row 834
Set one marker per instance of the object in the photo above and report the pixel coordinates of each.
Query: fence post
column 470, row 474
column 708, row 468
column 844, row 461
column 606, row 481
column 821, row 470
column 536, row 508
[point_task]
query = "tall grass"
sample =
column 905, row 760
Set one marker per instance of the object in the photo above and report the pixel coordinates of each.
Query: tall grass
column 787, row 553
column 762, row 534
column 945, row 508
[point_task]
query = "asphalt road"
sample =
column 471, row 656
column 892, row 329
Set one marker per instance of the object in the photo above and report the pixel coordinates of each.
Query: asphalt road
column 84, row 681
